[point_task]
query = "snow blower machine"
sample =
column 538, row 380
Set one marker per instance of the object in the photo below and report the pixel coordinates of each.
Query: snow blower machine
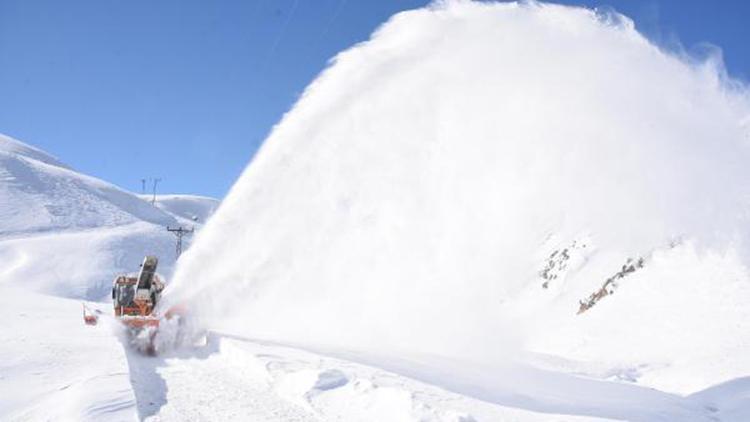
column 134, row 299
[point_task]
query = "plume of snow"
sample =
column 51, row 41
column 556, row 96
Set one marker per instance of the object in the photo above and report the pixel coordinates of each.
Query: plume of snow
column 403, row 201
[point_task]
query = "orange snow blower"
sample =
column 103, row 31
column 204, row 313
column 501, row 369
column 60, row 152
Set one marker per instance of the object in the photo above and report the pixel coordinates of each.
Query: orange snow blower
column 134, row 298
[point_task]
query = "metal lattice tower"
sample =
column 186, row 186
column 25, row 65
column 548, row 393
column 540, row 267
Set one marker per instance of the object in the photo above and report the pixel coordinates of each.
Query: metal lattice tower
column 180, row 232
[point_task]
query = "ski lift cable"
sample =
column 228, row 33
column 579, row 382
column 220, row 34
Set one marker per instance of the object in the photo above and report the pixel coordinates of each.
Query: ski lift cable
column 281, row 34
column 311, row 52
column 336, row 13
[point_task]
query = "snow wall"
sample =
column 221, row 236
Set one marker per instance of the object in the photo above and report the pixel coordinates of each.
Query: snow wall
column 407, row 202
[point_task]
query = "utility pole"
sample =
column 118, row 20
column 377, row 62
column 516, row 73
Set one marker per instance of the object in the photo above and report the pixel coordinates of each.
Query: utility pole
column 180, row 232
column 143, row 186
column 156, row 182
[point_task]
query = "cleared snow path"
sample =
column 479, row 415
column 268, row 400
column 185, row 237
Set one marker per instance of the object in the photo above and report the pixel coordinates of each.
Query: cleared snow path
column 504, row 389
column 232, row 378
column 207, row 385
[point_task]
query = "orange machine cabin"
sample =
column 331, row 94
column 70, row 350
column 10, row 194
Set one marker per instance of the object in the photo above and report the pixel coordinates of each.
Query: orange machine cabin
column 135, row 297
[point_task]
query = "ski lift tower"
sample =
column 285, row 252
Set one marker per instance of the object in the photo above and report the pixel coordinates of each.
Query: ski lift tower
column 180, row 232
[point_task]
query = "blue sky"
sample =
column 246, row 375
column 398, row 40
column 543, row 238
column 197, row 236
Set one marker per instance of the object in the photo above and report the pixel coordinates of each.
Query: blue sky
column 186, row 90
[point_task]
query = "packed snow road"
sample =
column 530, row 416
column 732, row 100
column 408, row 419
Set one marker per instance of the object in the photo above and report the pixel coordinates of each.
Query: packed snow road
column 232, row 378
column 205, row 386
column 58, row 369
column 237, row 379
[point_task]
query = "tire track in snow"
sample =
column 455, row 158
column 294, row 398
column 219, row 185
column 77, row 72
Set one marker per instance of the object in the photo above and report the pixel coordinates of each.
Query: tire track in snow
column 206, row 384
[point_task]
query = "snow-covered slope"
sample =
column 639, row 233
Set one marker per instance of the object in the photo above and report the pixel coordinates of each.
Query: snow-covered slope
column 52, row 367
column 40, row 194
column 474, row 176
column 192, row 208
column 65, row 233
column 9, row 145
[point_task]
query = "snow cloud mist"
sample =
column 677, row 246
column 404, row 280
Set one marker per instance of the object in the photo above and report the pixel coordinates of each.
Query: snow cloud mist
column 403, row 202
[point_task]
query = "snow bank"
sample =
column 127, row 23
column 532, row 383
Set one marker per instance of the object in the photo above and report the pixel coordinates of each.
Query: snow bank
column 407, row 203
column 83, row 264
column 56, row 368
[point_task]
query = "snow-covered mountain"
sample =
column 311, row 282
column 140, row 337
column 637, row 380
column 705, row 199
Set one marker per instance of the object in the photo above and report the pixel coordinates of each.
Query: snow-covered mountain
column 507, row 196
column 41, row 194
column 66, row 233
